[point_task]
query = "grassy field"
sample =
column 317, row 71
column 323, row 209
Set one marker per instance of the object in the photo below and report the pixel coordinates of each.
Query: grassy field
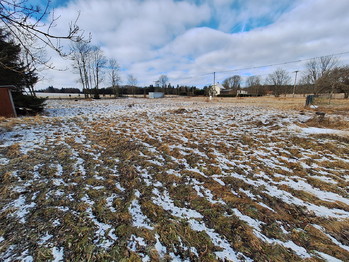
column 181, row 179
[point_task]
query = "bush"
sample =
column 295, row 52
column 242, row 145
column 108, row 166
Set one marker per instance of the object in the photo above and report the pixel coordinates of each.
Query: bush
column 27, row 104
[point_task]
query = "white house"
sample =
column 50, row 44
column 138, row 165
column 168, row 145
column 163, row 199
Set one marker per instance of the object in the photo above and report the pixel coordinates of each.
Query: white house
column 156, row 95
column 217, row 88
column 241, row 92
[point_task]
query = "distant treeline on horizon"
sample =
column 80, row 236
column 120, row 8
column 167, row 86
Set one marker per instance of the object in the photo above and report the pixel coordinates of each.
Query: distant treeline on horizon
column 129, row 90
column 51, row 89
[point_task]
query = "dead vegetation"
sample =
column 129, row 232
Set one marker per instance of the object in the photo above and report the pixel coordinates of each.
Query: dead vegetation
column 194, row 181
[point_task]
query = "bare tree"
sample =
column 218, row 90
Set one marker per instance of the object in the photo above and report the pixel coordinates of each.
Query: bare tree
column 80, row 55
column 98, row 62
column 279, row 79
column 336, row 79
column 25, row 24
column 163, row 79
column 305, row 85
column 344, row 81
column 114, row 76
column 233, row 83
column 132, row 82
column 317, row 67
column 254, row 83
column 30, row 68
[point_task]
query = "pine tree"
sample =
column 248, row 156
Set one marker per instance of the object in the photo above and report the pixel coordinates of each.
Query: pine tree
column 14, row 72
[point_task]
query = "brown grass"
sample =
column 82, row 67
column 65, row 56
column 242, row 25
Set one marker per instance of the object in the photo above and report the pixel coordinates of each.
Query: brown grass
column 123, row 162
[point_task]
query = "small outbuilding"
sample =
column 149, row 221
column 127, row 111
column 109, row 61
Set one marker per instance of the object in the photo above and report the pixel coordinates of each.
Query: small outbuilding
column 7, row 107
column 241, row 92
column 156, row 95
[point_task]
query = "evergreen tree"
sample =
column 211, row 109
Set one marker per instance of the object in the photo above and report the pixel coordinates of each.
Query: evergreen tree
column 14, row 72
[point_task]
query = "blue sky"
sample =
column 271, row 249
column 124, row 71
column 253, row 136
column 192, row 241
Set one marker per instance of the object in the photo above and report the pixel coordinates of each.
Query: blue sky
column 189, row 40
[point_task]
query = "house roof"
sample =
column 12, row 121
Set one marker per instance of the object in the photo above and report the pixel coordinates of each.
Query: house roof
column 218, row 85
column 8, row 86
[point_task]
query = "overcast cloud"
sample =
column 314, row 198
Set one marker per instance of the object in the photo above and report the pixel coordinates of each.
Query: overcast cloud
column 189, row 40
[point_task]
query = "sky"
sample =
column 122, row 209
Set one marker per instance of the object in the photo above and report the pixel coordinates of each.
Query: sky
column 189, row 40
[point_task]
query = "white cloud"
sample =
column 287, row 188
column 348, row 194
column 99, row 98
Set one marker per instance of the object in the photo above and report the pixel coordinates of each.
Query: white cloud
column 185, row 39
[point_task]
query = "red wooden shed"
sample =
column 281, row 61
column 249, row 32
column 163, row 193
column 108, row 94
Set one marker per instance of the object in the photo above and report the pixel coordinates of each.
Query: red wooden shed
column 7, row 108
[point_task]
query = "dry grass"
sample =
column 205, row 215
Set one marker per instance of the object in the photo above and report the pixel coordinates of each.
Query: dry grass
column 81, row 183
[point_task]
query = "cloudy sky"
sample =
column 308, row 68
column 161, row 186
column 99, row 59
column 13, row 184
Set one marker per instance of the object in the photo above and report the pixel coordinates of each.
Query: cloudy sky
column 189, row 40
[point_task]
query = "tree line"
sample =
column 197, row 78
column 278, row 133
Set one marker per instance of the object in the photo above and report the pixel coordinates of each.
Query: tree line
column 321, row 75
column 134, row 90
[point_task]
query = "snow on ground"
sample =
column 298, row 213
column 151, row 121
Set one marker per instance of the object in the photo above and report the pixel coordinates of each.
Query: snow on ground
column 173, row 179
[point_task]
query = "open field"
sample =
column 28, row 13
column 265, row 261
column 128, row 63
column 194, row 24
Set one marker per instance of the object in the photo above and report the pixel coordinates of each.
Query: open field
column 254, row 179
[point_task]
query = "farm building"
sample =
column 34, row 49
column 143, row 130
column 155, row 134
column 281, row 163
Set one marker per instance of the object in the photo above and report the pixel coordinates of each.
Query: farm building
column 242, row 92
column 7, row 108
column 232, row 91
column 156, row 95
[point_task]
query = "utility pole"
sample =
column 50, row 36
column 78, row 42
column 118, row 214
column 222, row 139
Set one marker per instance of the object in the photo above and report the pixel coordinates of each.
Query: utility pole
column 214, row 78
column 295, row 80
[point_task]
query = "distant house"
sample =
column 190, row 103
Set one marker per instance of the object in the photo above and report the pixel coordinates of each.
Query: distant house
column 7, row 108
column 242, row 92
column 227, row 91
column 217, row 89
column 156, row 95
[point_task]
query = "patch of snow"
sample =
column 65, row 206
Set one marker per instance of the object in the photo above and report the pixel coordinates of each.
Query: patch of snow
column 155, row 162
column 282, row 228
column 79, row 166
column 97, row 187
column 63, row 209
column 210, row 196
column 196, row 170
column 99, row 177
column 323, row 195
column 193, row 250
column 139, row 219
column 44, row 238
column 219, row 181
column 227, row 253
column 300, row 251
column 316, row 130
column 58, row 254
column 4, row 161
column 110, row 202
column 134, row 241
column 264, row 205
column 157, row 184
column 335, row 241
column 177, row 258
column 58, row 182
column 112, row 235
column 248, row 193
column 159, row 247
column 325, row 179
column 166, row 203
column 25, row 257
column 250, row 221
column 327, row 257
column 118, row 186
column 59, row 169
column 22, row 208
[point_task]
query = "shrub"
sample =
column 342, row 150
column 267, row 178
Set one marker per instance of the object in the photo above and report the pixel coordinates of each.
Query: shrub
column 28, row 104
